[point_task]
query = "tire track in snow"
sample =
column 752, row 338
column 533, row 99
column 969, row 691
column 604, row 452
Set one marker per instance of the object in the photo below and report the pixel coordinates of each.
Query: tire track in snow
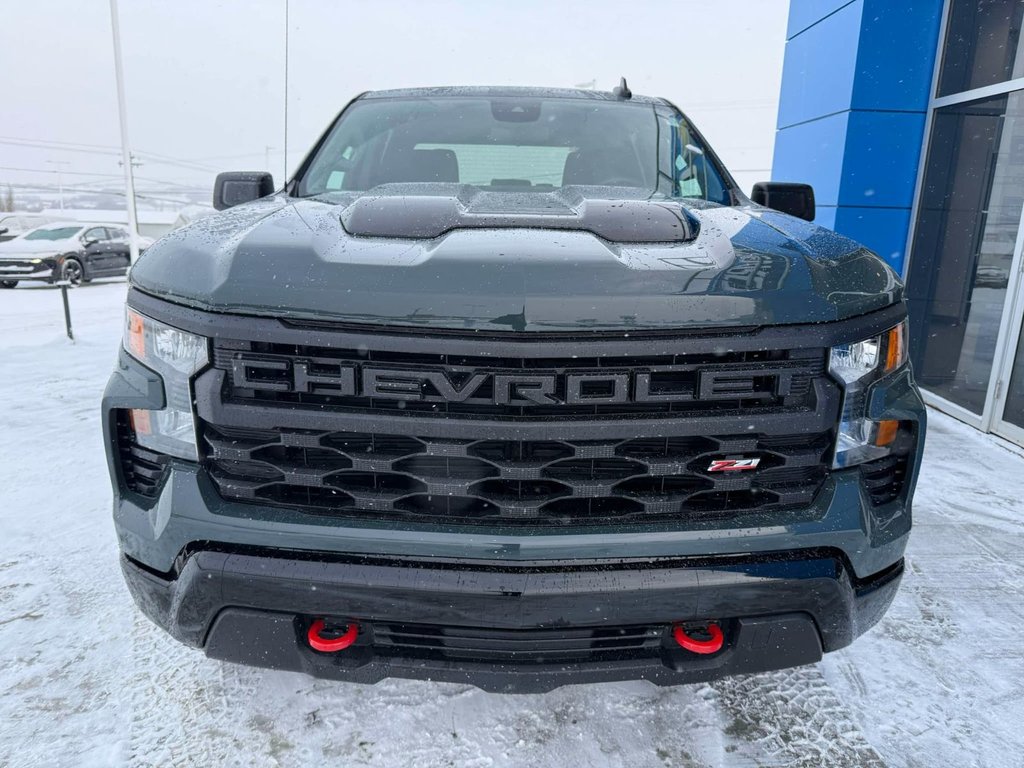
column 791, row 718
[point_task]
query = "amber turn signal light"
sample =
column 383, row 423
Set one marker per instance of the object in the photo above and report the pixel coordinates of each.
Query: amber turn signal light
column 895, row 347
column 136, row 335
column 140, row 421
column 886, row 431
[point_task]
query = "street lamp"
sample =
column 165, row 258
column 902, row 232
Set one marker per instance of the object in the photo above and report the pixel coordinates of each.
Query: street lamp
column 126, row 157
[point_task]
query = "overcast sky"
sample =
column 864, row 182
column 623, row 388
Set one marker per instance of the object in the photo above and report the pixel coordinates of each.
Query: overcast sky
column 205, row 80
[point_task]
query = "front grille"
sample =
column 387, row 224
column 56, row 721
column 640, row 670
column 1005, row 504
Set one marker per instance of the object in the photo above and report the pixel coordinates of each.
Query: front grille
column 473, row 430
column 360, row 380
column 552, row 482
column 518, row 646
column 144, row 470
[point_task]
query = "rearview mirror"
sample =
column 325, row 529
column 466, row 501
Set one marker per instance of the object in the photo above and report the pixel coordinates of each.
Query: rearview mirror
column 237, row 187
column 794, row 199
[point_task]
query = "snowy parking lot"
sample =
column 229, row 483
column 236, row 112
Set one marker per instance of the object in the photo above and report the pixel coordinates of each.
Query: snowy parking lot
column 85, row 680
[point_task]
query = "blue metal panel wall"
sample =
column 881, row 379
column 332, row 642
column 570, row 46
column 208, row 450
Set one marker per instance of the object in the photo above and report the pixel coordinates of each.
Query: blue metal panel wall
column 851, row 113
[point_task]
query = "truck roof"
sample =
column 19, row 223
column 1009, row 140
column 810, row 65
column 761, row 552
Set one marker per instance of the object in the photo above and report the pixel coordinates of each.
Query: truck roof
column 498, row 91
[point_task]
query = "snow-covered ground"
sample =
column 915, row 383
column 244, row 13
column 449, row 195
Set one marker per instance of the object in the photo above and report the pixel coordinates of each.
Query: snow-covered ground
column 84, row 680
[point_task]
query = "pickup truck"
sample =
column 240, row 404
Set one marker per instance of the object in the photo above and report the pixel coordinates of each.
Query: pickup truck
column 512, row 387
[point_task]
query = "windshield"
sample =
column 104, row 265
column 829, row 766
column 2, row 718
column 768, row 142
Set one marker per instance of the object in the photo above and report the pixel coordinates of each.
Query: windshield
column 52, row 233
column 514, row 144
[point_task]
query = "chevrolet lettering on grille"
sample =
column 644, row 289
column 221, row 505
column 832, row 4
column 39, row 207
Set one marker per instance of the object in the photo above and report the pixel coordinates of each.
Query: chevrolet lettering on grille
column 342, row 379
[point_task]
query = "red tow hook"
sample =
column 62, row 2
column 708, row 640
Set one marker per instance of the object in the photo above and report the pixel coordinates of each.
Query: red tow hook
column 330, row 644
column 711, row 645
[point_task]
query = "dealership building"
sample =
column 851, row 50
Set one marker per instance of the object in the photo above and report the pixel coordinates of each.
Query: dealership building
column 908, row 119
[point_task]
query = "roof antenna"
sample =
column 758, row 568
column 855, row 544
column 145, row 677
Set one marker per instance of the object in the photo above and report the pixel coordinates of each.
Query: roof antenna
column 621, row 91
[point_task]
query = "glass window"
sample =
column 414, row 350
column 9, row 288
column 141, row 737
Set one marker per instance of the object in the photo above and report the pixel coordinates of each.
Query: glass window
column 683, row 159
column 96, row 234
column 983, row 44
column 513, row 144
column 494, row 165
column 967, row 221
column 53, row 233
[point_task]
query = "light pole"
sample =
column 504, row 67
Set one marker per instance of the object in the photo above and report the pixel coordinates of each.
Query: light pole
column 287, row 6
column 126, row 157
column 60, row 179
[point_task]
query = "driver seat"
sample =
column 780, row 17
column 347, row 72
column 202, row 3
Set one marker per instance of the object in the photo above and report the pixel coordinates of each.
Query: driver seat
column 598, row 166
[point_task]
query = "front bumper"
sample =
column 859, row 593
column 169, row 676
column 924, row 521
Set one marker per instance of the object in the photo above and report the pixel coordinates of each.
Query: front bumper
column 777, row 611
column 27, row 270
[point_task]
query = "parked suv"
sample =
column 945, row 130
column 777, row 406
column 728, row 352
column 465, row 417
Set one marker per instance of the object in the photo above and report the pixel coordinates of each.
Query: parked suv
column 512, row 387
column 74, row 251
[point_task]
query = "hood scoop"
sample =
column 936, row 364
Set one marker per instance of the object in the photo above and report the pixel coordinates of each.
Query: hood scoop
column 423, row 217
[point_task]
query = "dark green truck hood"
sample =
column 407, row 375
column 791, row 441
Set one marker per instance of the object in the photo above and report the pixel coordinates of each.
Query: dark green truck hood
column 560, row 269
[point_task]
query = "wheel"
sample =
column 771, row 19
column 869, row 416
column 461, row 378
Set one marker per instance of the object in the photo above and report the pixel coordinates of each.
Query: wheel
column 71, row 270
column 8, row 283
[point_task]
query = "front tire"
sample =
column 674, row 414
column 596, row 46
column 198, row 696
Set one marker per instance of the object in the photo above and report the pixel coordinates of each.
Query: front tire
column 71, row 270
column 8, row 283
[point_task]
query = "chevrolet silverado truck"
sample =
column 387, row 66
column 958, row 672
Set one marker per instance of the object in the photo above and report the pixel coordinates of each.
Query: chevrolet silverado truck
column 512, row 387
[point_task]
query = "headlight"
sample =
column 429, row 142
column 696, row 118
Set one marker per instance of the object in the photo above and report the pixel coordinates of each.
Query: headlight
column 857, row 366
column 176, row 356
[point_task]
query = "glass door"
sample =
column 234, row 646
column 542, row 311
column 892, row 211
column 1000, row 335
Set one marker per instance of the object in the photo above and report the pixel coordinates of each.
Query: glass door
column 961, row 277
column 965, row 282
column 1008, row 405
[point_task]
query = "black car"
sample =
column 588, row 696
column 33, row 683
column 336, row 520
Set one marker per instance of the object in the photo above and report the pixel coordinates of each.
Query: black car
column 73, row 251
column 512, row 387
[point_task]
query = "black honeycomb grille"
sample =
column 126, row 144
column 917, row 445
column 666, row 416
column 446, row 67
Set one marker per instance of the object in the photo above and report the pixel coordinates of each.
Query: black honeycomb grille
column 553, row 482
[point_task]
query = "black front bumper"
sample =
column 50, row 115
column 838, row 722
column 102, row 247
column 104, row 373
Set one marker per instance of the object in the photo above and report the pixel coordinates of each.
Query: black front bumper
column 525, row 621
column 17, row 270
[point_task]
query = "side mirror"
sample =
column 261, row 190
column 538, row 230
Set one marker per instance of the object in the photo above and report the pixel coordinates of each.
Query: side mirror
column 237, row 187
column 3, row 230
column 794, row 199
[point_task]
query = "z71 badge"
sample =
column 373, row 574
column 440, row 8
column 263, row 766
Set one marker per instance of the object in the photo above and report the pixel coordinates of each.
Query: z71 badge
column 733, row 465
